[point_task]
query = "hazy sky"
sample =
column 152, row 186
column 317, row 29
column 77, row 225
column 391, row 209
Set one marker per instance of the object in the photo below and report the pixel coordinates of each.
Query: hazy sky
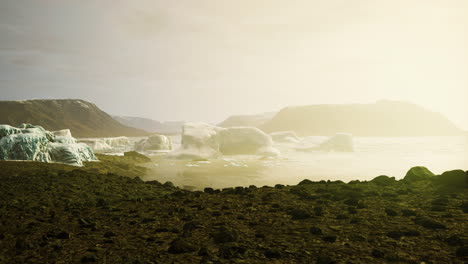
column 207, row 59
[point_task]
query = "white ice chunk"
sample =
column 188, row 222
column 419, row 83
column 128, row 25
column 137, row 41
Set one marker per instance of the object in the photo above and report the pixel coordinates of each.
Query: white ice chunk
column 154, row 142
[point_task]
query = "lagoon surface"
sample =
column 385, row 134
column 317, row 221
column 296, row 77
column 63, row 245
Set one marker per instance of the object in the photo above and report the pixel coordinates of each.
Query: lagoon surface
column 373, row 156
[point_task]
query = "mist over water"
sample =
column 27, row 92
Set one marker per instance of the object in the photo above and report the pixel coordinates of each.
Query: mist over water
column 373, row 156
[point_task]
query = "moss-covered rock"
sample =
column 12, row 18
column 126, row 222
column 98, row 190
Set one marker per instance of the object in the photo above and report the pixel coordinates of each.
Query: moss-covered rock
column 418, row 173
column 454, row 179
column 383, row 180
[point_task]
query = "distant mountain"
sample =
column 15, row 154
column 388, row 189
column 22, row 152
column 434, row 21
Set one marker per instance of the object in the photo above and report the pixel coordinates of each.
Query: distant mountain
column 151, row 125
column 247, row 120
column 84, row 119
column 384, row 118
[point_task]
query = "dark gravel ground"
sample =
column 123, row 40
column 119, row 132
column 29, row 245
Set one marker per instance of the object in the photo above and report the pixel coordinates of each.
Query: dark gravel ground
column 101, row 213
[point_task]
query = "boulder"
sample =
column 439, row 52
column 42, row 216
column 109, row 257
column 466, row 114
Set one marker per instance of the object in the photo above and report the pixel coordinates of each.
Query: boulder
column 455, row 179
column 285, row 137
column 418, row 173
column 34, row 143
column 154, row 142
column 383, row 180
column 205, row 141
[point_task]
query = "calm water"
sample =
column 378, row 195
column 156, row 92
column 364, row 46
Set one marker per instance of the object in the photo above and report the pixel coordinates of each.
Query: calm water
column 372, row 157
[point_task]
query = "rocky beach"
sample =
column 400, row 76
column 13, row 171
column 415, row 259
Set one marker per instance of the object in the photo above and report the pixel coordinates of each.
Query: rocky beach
column 104, row 213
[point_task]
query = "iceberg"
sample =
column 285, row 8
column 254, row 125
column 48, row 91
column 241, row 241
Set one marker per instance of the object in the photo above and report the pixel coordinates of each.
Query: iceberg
column 243, row 140
column 70, row 153
column 6, row 130
column 106, row 144
column 205, row 141
column 199, row 141
column 64, row 136
column 34, row 143
column 285, row 137
column 154, row 142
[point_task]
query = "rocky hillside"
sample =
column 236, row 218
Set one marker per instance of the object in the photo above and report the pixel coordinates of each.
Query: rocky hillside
column 84, row 119
column 151, row 125
column 384, row 118
column 247, row 120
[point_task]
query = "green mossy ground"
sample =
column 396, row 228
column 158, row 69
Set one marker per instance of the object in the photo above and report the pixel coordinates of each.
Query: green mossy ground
column 52, row 213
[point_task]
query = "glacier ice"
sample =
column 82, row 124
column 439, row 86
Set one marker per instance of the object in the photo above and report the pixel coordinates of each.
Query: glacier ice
column 25, row 146
column 34, row 143
column 70, row 153
column 284, row 137
column 154, row 142
column 205, row 141
column 242, row 140
column 199, row 141
column 6, row 130
column 64, row 136
column 106, row 144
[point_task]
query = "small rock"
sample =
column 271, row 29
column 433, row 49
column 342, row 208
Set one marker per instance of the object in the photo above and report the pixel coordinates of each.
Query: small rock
column 232, row 251
column 351, row 202
column 454, row 241
column 315, row 231
column 407, row 212
column 89, row 258
column 203, row 251
column 378, row 253
column 305, row 182
column 225, row 235
column 169, row 184
column 428, row 223
column 329, row 239
column 58, row 234
column 209, row 190
column 462, row 251
column 411, row 233
column 299, row 214
column 180, row 245
column 272, row 253
column 322, row 259
column 395, row 234
column 390, row 212
column 109, row 234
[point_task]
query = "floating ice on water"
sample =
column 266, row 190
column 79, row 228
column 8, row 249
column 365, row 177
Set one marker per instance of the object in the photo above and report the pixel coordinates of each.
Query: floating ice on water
column 284, row 137
column 154, row 142
column 205, row 141
column 106, row 144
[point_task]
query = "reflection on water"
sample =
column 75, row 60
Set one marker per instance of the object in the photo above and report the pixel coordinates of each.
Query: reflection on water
column 372, row 157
